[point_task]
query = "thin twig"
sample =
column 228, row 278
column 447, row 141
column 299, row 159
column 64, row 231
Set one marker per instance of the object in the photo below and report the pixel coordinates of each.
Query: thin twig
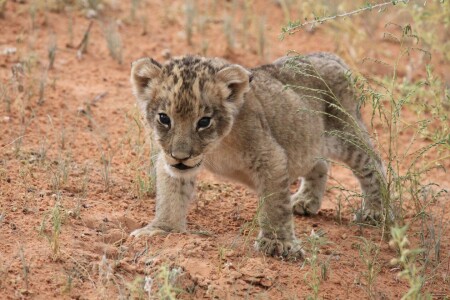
column 85, row 35
column 294, row 28
column 20, row 137
column 98, row 98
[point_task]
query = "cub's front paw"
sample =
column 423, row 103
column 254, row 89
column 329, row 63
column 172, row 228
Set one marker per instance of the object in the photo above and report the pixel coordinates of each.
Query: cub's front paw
column 280, row 248
column 149, row 230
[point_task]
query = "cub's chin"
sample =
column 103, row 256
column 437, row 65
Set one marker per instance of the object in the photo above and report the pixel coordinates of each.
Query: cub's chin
column 182, row 169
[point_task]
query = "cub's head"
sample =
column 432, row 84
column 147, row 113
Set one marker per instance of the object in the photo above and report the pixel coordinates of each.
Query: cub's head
column 191, row 103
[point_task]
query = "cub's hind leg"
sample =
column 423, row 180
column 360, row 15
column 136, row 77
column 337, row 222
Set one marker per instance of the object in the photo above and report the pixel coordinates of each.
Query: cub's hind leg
column 308, row 199
column 367, row 166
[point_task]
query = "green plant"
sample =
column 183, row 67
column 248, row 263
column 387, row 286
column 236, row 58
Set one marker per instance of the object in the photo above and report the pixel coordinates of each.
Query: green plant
column 293, row 27
column 406, row 163
column 261, row 37
column 249, row 228
column 105, row 272
column 70, row 23
column 42, row 84
column 229, row 32
column 106, row 159
column 432, row 88
column 369, row 255
column 407, row 261
column 17, row 143
column 114, row 41
column 202, row 26
column 410, row 141
column 246, row 22
column 51, row 51
column 60, row 174
column 56, row 217
column 145, row 184
column 349, row 132
column 133, row 8
column 319, row 270
column 339, row 209
column 25, row 268
column 95, row 5
column 168, row 279
column 144, row 23
column 286, row 8
column 137, row 288
column 2, row 8
column 428, row 16
column 33, row 10
column 43, row 149
column 144, row 162
column 190, row 12
column 68, row 285
column 83, row 46
column 6, row 98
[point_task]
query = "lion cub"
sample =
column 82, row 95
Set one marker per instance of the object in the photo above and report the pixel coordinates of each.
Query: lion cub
column 264, row 127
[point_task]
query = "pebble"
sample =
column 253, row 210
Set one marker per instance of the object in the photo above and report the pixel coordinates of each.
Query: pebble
column 91, row 13
column 9, row 51
column 266, row 282
column 166, row 53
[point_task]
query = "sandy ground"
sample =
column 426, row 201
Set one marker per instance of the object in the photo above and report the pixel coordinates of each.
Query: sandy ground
column 75, row 155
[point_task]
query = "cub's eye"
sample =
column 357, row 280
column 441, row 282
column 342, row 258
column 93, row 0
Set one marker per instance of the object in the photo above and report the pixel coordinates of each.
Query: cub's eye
column 204, row 122
column 164, row 119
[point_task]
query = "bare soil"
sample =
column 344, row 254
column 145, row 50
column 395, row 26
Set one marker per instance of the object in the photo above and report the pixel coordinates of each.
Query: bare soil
column 54, row 156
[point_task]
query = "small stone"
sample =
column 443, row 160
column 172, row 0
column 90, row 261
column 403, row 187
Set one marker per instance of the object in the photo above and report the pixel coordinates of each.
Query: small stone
column 127, row 267
column 9, row 51
column 166, row 54
column 81, row 110
column 91, row 13
column 214, row 277
column 235, row 274
column 266, row 282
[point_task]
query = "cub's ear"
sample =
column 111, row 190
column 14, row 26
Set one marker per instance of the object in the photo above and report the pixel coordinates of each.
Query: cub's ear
column 237, row 79
column 143, row 71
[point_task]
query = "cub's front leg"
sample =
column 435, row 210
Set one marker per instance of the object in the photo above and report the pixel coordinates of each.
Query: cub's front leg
column 173, row 195
column 276, row 236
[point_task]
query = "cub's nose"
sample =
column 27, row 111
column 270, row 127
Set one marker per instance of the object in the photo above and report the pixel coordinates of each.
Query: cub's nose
column 180, row 156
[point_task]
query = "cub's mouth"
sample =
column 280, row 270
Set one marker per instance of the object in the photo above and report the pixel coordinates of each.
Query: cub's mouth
column 182, row 167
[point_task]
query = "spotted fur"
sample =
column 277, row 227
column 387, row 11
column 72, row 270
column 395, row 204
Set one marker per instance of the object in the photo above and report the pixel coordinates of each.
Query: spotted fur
column 265, row 127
